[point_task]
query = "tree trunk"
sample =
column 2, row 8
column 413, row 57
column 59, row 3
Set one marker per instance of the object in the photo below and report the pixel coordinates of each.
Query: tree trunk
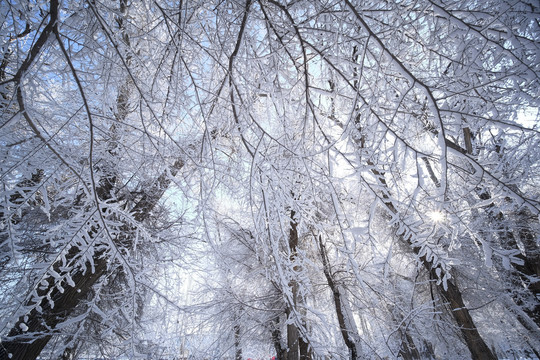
column 32, row 331
column 237, row 347
column 476, row 345
column 305, row 353
column 292, row 341
column 478, row 348
column 408, row 350
column 529, row 271
column 349, row 336
column 281, row 353
column 293, row 335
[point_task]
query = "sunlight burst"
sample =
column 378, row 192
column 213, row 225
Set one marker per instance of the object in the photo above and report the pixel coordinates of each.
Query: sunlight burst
column 436, row 216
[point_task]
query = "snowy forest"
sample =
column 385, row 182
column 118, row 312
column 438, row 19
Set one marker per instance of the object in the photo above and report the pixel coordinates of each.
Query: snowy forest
column 298, row 179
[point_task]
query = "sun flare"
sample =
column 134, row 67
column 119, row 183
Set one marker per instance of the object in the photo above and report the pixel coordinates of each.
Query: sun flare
column 436, row 216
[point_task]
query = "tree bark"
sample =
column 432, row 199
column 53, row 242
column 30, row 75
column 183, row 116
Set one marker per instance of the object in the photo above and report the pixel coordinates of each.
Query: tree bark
column 475, row 343
column 408, row 349
column 478, row 348
column 529, row 271
column 292, row 341
column 53, row 303
column 237, row 347
column 281, row 353
column 348, row 335
column 303, row 347
column 32, row 331
column 293, row 335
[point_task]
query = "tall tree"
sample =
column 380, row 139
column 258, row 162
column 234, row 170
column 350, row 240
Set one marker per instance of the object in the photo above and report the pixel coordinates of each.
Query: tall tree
column 372, row 165
column 70, row 139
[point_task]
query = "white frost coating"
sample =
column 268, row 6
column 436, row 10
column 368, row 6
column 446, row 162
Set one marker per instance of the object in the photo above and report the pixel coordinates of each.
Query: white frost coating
column 442, row 145
column 506, row 262
column 488, row 253
column 51, row 302
column 358, row 230
column 69, row 280
column 350, row 324
column 98, row 311
column 23, row 327
column 46, row 208
column 71, row 321
column 54, row 274
column 445, row 281
column 387, row 262
column 437, row 11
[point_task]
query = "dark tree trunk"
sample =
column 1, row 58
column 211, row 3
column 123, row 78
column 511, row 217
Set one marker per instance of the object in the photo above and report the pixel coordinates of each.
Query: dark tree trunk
column 529, row 271
column 237, row 347
column 292, row 341
column 32, row 331
column 293, row 335
column 346, row 333
column 281, row 353
column 475, row 343
column 478, row 348
column 27, row 345
column 408, row 349
column 303, row 347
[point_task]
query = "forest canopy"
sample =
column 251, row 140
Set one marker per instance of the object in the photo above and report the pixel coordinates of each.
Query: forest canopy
column 301, row 179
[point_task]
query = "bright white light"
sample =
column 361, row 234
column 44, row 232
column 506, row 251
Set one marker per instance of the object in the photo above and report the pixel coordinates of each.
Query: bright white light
column 436, row 216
